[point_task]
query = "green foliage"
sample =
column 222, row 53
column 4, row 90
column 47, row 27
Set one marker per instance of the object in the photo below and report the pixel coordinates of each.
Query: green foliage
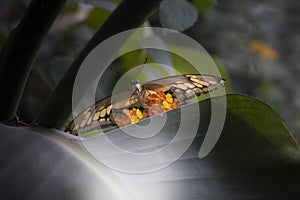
column 97, row 17
column 204, row 4
column 117, row 1
column 260, row 119
column 70, row 7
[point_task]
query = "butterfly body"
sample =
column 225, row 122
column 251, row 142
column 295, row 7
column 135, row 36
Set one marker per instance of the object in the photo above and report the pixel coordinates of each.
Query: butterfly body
column 146, row 100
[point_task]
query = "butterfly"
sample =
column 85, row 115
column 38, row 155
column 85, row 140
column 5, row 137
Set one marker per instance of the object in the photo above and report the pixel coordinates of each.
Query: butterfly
column 151, row 98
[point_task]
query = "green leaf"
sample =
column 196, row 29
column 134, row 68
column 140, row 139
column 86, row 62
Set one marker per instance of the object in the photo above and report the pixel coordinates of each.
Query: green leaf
column 204, row 4
column 70, row 7
column 255, row 156
column 97, row 17
column 260, row 119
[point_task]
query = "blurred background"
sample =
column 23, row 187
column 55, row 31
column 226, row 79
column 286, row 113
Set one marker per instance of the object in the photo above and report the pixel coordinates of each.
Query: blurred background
column 256, row 42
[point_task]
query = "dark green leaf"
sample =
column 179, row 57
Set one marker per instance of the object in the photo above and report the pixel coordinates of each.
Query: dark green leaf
column 261, row 120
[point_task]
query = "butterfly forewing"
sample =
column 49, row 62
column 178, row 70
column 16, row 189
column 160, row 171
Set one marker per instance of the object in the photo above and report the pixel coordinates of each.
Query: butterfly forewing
column 129, row 107
column 185, row 87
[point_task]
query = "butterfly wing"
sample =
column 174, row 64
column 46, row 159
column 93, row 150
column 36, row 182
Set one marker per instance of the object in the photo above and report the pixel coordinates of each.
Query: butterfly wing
column 109, row 110
column 101, row 113
column 185, row 87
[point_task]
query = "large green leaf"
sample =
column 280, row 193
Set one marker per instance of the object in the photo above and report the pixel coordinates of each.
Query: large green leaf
column 256, row 157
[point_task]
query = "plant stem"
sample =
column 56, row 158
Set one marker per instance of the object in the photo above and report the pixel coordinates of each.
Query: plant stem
column 128, row 15
column 20, row 49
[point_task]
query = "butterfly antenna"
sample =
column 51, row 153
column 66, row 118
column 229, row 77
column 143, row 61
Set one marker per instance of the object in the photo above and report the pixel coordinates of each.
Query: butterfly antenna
column 137, row 73
column 134, row 81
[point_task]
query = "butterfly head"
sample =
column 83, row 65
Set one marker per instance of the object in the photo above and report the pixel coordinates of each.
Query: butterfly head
column 137, row 85
column 140, row 92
